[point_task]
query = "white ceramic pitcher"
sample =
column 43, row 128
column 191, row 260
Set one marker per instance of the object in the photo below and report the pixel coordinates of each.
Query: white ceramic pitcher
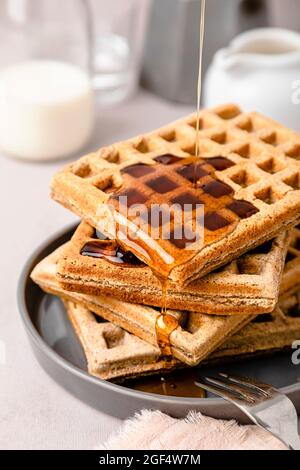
column 260, row 70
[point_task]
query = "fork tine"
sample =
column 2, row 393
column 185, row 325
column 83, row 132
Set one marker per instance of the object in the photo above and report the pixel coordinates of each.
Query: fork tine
column 225, row 390
column 255, row 386
column 218, row 391
column 245, row 393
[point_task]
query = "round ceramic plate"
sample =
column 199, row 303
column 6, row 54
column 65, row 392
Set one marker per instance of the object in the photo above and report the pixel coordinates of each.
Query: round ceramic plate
column 59, row 352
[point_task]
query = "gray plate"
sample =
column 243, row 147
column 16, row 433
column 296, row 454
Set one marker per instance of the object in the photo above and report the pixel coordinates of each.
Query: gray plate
column 61, row 356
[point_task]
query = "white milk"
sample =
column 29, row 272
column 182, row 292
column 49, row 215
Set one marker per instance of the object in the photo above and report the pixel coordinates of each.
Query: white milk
column 46, row 109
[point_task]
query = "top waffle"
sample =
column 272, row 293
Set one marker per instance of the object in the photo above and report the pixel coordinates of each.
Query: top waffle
column 247, row 180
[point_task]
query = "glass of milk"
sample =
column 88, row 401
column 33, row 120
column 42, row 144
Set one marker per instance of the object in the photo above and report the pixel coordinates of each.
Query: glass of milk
column 46, row 92
column 56, row 57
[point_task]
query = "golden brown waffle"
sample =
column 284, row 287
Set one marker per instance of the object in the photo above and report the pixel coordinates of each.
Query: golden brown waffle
column 248, row 285
column 196, row 336
column 113, row 354
column 291, row 275
column 261, row 164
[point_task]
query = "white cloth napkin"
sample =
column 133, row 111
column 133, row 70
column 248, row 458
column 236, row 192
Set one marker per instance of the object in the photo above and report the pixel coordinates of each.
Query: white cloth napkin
column 153, row 430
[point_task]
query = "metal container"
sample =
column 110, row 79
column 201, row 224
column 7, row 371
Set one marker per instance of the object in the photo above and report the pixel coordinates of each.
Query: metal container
column 172, row 44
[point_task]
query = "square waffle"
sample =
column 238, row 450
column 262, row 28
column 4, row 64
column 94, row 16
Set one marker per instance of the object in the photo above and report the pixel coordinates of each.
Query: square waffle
column 196, row 335
column 247, row 180
column 249, row 284
column 113, row 354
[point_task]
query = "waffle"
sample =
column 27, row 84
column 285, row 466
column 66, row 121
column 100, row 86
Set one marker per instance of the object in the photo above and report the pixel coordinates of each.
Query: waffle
column 196, row 335
column 291, row 274
column 113, row 354
column 250, row 284
column 247, row 180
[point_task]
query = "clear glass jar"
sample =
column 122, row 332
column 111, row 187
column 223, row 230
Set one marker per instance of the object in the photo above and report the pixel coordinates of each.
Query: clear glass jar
column 117, row 40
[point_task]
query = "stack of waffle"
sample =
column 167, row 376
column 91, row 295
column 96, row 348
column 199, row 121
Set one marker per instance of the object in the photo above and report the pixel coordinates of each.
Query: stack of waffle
column 181, row 260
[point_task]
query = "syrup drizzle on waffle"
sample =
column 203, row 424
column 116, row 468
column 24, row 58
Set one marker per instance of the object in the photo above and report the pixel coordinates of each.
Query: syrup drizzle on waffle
column 170, row 181
column 111, row 251
column 165, row 323
column 165, row 182
column 165, row 227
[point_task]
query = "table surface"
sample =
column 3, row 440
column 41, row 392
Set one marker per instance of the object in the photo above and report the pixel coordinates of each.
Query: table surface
column 35, row 412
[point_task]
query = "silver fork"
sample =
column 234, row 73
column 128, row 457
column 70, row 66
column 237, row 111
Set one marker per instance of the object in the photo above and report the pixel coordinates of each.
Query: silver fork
column 265, row 406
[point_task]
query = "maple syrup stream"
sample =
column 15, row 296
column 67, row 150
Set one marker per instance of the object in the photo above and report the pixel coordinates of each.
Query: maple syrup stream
column 166, row 323
column 199, row 84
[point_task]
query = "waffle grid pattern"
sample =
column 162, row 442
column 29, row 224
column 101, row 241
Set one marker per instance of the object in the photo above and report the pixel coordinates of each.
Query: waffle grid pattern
column 196, row 332
column 273, row 151
column 255, row 277
column 265, row 171
column 190, row 344
column 181, row 195
column 113, row 354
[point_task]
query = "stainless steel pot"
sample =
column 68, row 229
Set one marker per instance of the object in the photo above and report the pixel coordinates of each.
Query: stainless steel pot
column 170, row 64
